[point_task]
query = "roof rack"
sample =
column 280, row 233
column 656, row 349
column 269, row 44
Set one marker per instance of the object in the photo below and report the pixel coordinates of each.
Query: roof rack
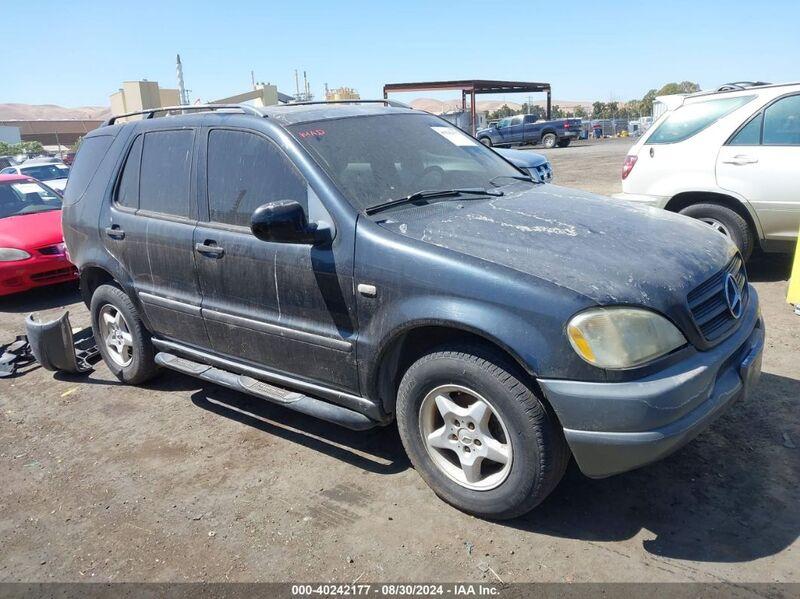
column 245, row 108
column 740, row 85
column 393, row 103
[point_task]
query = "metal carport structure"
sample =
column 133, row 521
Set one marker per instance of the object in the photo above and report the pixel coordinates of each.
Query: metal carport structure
column 473, row 87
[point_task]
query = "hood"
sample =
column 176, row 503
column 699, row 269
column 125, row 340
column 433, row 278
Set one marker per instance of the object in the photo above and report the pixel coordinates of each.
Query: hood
column 31, row 231
column 522, row 158
column 608, row 250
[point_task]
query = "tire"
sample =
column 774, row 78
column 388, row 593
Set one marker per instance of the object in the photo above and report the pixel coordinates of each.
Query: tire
column 519, row 420
column 134, row 364
column 726, row 221
column 563, row 143
column 486, row 141
column 549, row 140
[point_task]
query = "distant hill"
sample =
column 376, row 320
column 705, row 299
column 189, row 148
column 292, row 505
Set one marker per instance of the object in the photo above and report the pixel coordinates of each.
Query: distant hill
column 51, row 112
column 438, row 106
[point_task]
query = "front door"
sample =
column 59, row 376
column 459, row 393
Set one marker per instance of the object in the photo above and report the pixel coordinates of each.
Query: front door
column 149, row 228
column 760, row 163
column 288, row 308
column 514, row 134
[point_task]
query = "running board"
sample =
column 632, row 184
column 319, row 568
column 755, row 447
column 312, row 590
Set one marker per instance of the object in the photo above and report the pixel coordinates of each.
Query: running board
column 291, row 399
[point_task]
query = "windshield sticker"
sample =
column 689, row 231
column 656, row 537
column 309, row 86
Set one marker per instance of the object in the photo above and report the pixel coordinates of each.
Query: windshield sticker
column 454, row 136
column 311, row 133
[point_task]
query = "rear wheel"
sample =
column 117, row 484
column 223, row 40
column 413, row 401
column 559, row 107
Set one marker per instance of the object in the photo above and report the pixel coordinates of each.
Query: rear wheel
column 477, row 434
column 563, row 143
column 486, row 141
column 725, row 221
column 549, row 140
column 121, row 337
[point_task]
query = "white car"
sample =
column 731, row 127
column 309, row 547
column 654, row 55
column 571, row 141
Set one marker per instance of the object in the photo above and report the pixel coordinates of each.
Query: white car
column 53, row 174
column 729, row 158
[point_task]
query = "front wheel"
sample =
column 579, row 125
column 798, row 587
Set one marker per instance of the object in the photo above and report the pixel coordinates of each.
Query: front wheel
column 121, row 337
column 486, row 141
column 549, row 140
column 477, row 434
column 725, row 221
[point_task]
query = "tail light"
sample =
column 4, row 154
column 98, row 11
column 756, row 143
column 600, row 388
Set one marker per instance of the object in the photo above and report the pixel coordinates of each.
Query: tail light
column 566, row 125
column 627, row 166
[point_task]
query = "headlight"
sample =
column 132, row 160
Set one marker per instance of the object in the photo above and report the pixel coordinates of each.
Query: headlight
column 12, row 254
column 620, row 337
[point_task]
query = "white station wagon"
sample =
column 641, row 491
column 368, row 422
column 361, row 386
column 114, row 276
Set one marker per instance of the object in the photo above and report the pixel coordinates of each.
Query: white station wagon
column 728, row 158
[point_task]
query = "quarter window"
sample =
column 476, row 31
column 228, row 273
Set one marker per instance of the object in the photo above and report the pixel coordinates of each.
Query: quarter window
column 690, row 119
column 245, row 171
column 782, row 122
column 87, row 160
column 166, row 172
column 750, row 134
column 128, row 192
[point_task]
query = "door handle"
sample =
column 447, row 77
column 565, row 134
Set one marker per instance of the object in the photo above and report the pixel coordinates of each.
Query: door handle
column 209, row 248
column 741, row 159
column 114, row 232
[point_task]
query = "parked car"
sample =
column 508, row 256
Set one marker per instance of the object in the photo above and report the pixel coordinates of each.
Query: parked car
column 536, row 165
column 53, row 174
column 729, row 159
column 363, row 263
column 6, row 161
column 525, row 129
column 32, row 251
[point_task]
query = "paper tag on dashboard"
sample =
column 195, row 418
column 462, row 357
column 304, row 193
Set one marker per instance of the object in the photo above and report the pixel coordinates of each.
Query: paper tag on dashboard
column 454, row 136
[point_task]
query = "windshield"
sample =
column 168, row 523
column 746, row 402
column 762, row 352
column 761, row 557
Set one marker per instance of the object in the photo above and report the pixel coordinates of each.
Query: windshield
column 26, row 197
column 374, row 159
column 45, row 172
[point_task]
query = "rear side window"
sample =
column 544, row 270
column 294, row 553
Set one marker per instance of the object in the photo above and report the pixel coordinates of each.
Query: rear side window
column 245, row 171
column 782, row 122
column 128, row 190
column 750, row 134
column 90, row 155
column 166, row 172
column 690, row 119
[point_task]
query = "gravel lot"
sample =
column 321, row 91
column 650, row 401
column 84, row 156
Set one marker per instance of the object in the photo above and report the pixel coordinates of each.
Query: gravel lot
column 181, row 480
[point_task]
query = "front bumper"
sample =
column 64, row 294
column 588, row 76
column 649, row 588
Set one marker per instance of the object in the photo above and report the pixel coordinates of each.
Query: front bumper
column 36, row 271
column 643, row 199
column 616, row 427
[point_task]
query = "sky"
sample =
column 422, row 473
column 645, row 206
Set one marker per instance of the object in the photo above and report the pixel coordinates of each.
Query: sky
column 77, row 53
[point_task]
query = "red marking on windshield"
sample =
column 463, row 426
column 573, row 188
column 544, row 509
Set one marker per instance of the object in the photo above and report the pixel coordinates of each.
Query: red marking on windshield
column 312, row 133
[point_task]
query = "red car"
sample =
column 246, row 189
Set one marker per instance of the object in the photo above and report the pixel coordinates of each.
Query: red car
column 32, row 250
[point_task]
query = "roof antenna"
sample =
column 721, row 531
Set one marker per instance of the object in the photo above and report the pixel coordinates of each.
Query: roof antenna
column 184, row 97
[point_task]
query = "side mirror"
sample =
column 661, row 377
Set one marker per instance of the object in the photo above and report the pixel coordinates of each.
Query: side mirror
column 285, row 221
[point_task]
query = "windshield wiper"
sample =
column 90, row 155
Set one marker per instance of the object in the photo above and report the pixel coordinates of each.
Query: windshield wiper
column 433, row 193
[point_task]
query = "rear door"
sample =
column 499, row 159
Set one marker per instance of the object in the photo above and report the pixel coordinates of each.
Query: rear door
column 149, row 229
column 761, row 162
column 285, row 307
column 532, row 131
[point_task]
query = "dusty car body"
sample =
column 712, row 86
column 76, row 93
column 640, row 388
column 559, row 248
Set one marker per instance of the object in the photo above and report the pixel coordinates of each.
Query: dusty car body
column 504, row 323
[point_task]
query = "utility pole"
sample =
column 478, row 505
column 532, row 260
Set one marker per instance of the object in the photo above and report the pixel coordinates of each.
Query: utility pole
column 184, row 97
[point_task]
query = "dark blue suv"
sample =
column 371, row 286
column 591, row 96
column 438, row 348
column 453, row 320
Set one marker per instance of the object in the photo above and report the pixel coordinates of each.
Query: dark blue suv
column 366, row 262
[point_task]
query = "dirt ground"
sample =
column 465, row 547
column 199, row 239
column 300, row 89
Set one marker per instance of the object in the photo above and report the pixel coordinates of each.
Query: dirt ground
column 185, row 481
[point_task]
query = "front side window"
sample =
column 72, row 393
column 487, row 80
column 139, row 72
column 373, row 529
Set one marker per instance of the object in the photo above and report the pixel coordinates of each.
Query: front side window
column 377, row 158
column 782, row 122
column 517, row 120
column 689, row 119
column 166, row 172
column 26, row 197
column 245, row 171
column 504, row 123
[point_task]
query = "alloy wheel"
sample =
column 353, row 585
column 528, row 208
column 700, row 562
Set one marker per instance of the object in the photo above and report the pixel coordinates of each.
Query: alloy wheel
column 116, row 335
column 465, row 437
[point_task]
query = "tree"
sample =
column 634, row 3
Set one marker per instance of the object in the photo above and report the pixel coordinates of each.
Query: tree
column 580, row 112
column 24, row 147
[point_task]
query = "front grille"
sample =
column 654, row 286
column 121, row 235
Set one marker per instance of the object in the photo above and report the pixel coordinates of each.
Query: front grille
column 52, row 250
column 53, row 274
column 709, row 306
column 545, row 172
